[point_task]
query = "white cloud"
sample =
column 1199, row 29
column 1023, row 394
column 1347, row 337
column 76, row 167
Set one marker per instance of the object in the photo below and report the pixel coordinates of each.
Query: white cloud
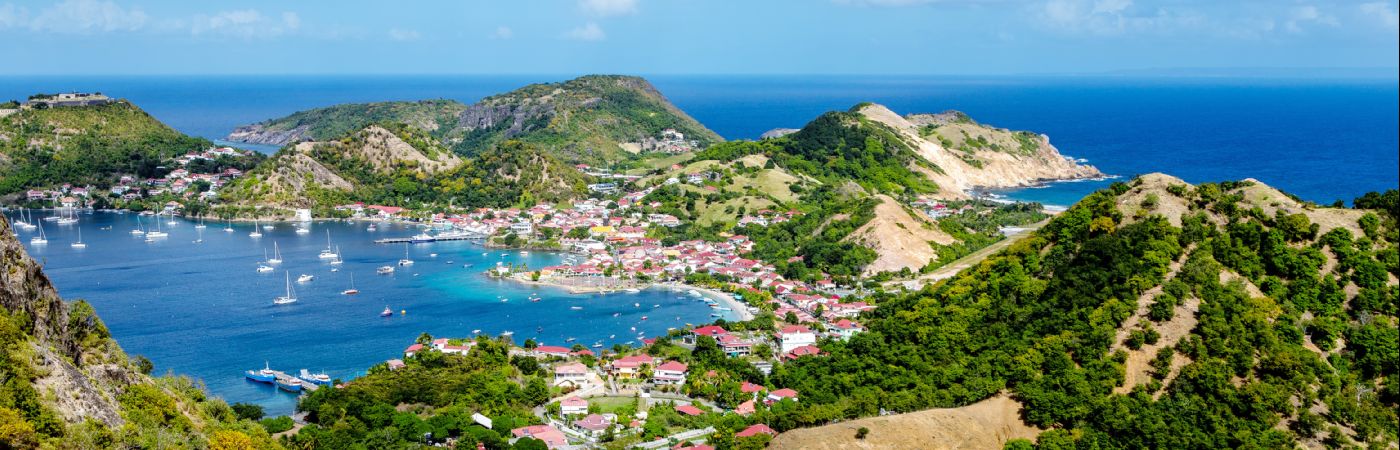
column 608, row 8
column 12, row 16
column 86, row 16
column 503, row 32
column 402, row 35
column 1382, row 12
column 1301, row 16
column 1112, row 17
column 588, row 32
column 243, row 24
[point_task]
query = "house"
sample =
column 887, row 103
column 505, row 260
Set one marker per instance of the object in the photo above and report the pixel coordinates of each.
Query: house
column 573, row 405
column 735, row 346
column 756, row 430
column 746, row 408
column 412, row 349
column 845, row 328
column 522, row 228
column 689, row 410
column 750, row 388
column 630, row 367
column 670, row 372
column 593, row 424
column 575, row 374
column 712, row 331
column 779, row 395
column 552, row 437
column 806, row 350
column 793, row 336
column 552, row 350
column 395, row 364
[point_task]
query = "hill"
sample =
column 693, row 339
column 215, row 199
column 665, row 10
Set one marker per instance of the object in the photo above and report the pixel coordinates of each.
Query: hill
column 1256, row 320
column 400, row 165
column 594, row 119
column 69, row 385
column 44, row 146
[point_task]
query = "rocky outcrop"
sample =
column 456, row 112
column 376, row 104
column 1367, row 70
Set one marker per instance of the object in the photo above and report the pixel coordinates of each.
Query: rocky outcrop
column 778, row 132
column 514, row 117
column 24, row 290
column 386, row 151
column 260, row 134
column 1015, row 160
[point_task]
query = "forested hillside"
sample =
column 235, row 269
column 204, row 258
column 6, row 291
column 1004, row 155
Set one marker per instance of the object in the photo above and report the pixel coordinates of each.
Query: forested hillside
column 40, row 147
column 1272, row 323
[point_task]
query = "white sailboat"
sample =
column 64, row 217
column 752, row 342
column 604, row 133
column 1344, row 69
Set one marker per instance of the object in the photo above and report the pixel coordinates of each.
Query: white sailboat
column 228, row 226
column 338, row 260
column 156, row 233
column 138, row 231
column 290, row 297
column 328, row 253
column 276, row 254
column 200, row 225
column 41, row 238
column 79, row 243
column 22, row 221
column 405, row 261
column 255, row 233
column 352, row 290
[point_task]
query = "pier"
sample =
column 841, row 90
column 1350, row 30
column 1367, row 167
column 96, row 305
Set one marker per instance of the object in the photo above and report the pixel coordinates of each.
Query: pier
column 418, row 240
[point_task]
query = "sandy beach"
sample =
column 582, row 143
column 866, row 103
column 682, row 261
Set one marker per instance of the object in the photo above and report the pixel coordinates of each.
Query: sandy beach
column 740, row 309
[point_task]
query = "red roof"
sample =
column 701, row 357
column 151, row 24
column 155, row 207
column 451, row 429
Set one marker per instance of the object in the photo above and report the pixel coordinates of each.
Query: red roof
column 689, row 410
column 710, row 330
column 633, row 361
column 795, row 329
column 783, row 393
column 749, row 388
column 755, row 429
column 413, row 348
column 806, row 350
column 552, row 349
column 672, row 366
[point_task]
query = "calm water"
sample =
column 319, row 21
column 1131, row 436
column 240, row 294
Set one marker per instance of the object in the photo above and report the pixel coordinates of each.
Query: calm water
column 203, row 310
column 1320, row 139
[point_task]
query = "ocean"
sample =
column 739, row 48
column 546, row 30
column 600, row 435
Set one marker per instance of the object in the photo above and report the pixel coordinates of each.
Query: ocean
column 201, row 310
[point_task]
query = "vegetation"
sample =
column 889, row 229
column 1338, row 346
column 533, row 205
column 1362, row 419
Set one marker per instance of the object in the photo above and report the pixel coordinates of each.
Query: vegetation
column 332, row 122
column 86, row 145
column 980, row 227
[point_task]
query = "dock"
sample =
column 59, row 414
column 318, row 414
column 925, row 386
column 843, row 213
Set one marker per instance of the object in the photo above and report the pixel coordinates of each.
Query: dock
column 438, row 238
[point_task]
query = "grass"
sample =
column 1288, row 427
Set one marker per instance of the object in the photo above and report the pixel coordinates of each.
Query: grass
column 613, row 404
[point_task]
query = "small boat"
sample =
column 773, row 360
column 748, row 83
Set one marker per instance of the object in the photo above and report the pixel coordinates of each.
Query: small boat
column 612, row 336
column 289, row 384
column 387, row 312
column 338, row 260
column 266, row 375
column 267, row 227
column 276, row 254
column 228, row 226
column 41, row 238
column 507, row 333
column 303, row 230
column 255, row 233
column 476, row 331
column 200, row 225
column 636, row 305
column 534, row 299
column 318, row 379
column 328, row 253
column 290, row 297
column 432, row 255
column 522, row 253
column 405, row 261
column 384, row 270
column 156, row 233
column 575, row 308
column 570, row 339
column 616, row 314
column 597, row 345
column 304, row 278
column 632, row 291
column 263, row 269
column 644, row 317
column 370, row 228
column 79, row 243
column 655, row 306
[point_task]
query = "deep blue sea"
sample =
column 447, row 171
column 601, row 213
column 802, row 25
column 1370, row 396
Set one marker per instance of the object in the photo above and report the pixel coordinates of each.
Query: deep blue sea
column 201, row 310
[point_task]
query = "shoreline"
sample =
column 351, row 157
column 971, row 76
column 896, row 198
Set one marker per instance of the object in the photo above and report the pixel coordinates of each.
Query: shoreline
column 738, row 311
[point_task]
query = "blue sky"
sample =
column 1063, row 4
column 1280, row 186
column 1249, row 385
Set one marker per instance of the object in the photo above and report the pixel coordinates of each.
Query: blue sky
column 101, row 37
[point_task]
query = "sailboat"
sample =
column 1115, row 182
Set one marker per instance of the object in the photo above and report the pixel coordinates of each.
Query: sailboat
column 352, row 290
column 138, row 231
column 405, row 261
column 41, row 239
column 290, row 297
column 68, row 217
column 255, row 233
column 276, row 254
column 79, row 243
column 199, row 238
column 21, row 220
column 156, row 233
column 200, row 225
column 228, row 226
column 328, row 253
column 338, row 260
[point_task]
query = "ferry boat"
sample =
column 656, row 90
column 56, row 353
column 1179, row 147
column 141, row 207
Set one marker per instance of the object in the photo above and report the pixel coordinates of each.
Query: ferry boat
column 384, row 270
column 266, row 375
column 289, row 384
column 387, row 312
column 422, row 238
column 290, row 297
column 304, row 278
column 318, row 379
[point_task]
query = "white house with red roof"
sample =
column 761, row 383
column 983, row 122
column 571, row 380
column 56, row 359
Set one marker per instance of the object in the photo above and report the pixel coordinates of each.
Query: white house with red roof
column 573, row 373
column 670, row 372
column 712, row 331
column 805, row 350
column 630, row 367
column 845, row 328
column 573, row 405
column 793, row 336
column 552, row 437
column 594, row 424
column 779, row 395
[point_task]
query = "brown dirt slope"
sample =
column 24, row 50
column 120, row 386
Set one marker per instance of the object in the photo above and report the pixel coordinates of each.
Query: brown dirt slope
column 983, row 425
column 899, row 238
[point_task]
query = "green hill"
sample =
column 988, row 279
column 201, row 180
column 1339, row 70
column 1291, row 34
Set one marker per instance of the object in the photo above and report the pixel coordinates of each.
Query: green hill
column 67, row 384
column 41, row 147
column 1153, row 314
column 594, row 119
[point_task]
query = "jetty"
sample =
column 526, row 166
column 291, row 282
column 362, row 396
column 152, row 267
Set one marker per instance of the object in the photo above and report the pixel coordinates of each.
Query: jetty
column 440, row 237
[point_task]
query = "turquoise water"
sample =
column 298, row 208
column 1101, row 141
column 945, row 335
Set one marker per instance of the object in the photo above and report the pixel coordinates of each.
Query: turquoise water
column 202, row 309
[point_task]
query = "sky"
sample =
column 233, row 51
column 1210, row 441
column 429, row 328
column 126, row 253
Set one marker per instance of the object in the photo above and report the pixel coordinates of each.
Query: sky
column 953, row 37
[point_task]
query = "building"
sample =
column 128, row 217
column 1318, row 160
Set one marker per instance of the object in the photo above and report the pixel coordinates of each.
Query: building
column 735, row 346
column 756, row 430
column 552, row 437
column 845, row 328
column 573, row 374
column 779, row 395
column 670, row 372
column 573, row 405
column 711, row 331
column 594, row 424
column 689, row 410
column 793, row 336
column 631, row 367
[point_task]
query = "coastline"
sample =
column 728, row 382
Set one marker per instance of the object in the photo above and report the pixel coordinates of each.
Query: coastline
column 738, row 311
